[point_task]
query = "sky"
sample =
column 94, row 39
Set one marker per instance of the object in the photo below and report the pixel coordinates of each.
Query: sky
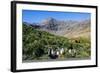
column 35, row 16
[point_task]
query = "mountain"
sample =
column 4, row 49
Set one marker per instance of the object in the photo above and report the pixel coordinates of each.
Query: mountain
column 68, row 28
column 51, row 24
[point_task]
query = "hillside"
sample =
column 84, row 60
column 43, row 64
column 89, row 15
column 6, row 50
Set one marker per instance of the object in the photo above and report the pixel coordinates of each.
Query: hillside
column 36, row 44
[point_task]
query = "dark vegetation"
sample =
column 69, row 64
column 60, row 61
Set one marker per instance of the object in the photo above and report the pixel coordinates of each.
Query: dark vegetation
column 36, row 44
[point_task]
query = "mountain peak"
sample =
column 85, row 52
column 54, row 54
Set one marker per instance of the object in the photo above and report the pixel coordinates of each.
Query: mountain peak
column 48, row 20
